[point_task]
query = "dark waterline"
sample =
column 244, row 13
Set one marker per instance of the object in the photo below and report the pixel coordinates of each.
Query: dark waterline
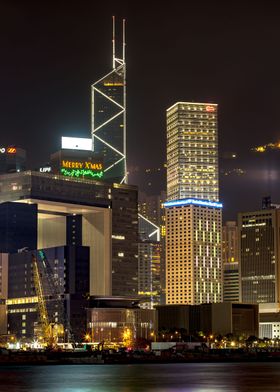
column 188, row 377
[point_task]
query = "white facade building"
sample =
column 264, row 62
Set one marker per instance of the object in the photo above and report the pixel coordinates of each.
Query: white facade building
column 193, row 252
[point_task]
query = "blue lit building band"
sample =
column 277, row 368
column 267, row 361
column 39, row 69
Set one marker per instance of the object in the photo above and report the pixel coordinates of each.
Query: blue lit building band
column 184, row 202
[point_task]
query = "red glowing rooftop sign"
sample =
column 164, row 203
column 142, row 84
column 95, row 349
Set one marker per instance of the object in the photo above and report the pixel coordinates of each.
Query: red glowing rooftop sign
column 210, row 108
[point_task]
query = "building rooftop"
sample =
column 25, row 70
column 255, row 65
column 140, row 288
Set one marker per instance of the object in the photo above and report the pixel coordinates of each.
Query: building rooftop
column 114, row 302
column 57, row 188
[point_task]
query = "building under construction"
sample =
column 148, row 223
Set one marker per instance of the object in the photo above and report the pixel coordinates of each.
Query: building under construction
column 62, row 274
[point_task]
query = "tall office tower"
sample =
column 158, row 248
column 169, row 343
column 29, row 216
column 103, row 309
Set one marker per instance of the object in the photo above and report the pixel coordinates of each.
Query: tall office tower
column 109, row 116
column 152, row 208
column 193, row 215
column 149, row 272
column 259, row 255
column 3, row 292
column 230, row 262
column 124, row 239
column 192, row 151
column 193, row 252
column 259, row 233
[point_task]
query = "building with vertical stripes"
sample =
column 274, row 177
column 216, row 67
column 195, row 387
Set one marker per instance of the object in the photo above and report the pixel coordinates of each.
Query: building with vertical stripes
column 230, row 259
column 193, row 252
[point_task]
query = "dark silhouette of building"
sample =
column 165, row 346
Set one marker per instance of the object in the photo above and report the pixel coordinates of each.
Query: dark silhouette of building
column 12, row 159
column 18, row 226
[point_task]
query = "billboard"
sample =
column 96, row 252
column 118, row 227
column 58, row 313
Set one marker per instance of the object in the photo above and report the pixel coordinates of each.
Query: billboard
column 82, row 168
column 76, row 143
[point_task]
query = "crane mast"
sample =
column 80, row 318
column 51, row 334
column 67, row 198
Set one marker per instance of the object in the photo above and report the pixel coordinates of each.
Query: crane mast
column 57, row 296
column 43, row 314
column 50, row 331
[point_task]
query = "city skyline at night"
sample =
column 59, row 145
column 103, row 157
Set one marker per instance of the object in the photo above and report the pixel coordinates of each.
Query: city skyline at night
column 47, row 71
column 139, row 195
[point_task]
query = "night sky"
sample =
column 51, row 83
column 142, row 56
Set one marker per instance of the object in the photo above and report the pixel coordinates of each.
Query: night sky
column 204, row 51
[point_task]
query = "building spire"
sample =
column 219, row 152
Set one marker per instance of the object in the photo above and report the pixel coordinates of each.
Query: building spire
column 113, row 41
column 109, row 114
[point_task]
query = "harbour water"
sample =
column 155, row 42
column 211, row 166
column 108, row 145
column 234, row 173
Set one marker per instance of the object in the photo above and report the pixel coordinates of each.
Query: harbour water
column 184, row 377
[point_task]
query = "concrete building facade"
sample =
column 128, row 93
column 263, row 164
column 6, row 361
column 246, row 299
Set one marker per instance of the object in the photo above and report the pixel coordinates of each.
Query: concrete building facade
column 86, row 212
column 193, row 252
column 230, row 256
column 259, row 255
column 18, row 226
column 3, row 292
column 119, row 321
column 220, row 318
column 152, row 209
column 259, row 235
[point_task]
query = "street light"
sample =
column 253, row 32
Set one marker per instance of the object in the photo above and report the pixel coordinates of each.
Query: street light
column 87, row 337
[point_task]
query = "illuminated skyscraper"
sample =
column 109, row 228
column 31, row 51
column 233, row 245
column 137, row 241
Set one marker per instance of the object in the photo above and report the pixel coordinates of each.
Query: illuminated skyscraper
column 259, row 234
column 193, row 214
column 193, row 252
column 192, row 151
column 152, row 208
column 230, row 261
column 109, row 117
column 149, row 262
column 259, row 256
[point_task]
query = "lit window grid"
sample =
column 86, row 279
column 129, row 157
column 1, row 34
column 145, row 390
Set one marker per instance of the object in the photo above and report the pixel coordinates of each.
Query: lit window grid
column 192, row 153
column 269, row 330
column 230, row 242
column 230, row 258
column 149, row 272
column 193, row 255
column 259, row 249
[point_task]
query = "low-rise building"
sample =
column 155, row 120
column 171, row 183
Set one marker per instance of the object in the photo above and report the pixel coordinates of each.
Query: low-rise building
column 216, row 318
column 119, row 321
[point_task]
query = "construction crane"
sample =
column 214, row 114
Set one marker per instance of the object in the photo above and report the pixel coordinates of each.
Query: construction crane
column 56, row 295
column 50, row 330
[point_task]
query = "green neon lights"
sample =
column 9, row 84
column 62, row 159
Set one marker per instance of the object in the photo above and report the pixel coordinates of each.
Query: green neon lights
column 81, row 173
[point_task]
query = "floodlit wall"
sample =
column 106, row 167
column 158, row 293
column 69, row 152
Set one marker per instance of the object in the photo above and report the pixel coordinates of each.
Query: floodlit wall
column 97, row 230
column 51, row 231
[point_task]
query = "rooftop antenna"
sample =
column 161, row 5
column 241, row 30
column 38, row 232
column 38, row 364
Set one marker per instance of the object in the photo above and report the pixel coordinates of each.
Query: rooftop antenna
column 125, row 179
column 124, row 41
column 108, row 141
column 113, row 41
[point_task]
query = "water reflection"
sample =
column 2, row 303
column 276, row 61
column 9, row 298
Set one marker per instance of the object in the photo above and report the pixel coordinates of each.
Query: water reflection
column 192, row 377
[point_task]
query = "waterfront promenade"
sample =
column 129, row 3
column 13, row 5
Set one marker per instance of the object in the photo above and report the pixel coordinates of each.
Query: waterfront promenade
column 8, row 357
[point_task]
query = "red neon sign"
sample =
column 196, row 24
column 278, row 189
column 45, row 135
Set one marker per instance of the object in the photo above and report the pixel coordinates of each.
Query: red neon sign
column 11, row 150
column 210, row 108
